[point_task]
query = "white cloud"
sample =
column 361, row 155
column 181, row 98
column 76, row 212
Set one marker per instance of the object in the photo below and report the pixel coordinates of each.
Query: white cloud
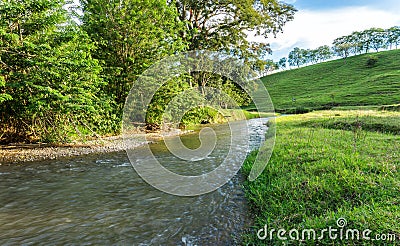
column 313, row 28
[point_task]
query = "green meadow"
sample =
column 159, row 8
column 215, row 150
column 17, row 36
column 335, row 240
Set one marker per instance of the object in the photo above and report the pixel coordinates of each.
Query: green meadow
column 330, row 164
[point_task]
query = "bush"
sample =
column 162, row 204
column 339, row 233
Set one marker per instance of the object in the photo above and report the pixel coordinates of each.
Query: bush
column 296, row 110
column 371, row 61
column 199, row 115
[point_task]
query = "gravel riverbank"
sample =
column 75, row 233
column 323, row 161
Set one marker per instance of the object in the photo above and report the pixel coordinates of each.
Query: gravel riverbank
column 19, row 153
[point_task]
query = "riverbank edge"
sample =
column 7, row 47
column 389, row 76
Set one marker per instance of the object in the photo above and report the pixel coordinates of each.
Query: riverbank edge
column 25, row 153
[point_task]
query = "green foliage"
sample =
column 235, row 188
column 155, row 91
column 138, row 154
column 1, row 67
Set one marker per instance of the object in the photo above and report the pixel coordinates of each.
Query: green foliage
column 317, row 175
column 334, row 83
column 50, row 78
column 200, row 115
column 393, row 36
column 341, row 47
column 371, row 61
column 296, row 57
column 60, row 81
column 282, row 63
column 222, row 25
column 3, row 95
column 130, row 36
column 378, row 38
column 171, row 89
column 323, row 53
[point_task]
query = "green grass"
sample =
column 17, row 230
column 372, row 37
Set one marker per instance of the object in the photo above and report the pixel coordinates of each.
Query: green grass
column 253, row 115
column 375, row 121
column 337, row 83
column 239, row 114
column 327, row 165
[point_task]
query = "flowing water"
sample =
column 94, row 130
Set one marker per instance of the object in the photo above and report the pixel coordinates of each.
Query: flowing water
column 100, row 200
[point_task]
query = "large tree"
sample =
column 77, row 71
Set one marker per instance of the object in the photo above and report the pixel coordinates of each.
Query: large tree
column 223, row 25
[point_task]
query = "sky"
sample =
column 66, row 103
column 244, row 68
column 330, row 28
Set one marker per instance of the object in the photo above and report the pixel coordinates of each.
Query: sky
column 319, row 22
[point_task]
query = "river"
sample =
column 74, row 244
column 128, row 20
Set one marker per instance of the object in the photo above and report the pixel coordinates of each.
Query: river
column 99, row 199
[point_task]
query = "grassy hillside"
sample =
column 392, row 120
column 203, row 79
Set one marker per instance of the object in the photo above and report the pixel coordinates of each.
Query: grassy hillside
column 349, row 82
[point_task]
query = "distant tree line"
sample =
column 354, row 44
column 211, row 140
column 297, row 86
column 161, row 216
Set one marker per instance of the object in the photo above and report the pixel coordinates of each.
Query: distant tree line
column 365, row 41
column 374, row 39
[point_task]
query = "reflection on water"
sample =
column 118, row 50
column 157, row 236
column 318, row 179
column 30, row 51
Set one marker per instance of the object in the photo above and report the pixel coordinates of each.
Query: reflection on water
column 99, row 199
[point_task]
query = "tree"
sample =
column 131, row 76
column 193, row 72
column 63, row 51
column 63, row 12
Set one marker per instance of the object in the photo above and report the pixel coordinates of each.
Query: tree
column 342, row 50
column 393, row 36
column 342, row 47
column 258, row 50
column 270, row 66
column 311, row 56
column 324, row 53
column 377, row 38
column 295, row 57
column 282, row 63
column 366, row 40
column 356, row 41
column 130, row 35
column 223, row 25
column 50, row 81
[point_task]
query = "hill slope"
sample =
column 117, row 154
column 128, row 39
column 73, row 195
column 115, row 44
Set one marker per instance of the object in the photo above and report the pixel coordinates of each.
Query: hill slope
column 341, row 82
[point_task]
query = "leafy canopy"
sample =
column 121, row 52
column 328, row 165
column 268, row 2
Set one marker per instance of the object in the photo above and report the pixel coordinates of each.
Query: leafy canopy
column 224, row 25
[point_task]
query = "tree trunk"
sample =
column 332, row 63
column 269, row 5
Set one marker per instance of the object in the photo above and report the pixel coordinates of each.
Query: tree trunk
column 19, row 31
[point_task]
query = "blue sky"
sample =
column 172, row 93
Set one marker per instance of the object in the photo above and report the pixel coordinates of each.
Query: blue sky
column 325, row 4
column 319, row 22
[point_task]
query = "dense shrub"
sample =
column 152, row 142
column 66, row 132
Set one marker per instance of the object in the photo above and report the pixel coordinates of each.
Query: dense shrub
column 371, row 61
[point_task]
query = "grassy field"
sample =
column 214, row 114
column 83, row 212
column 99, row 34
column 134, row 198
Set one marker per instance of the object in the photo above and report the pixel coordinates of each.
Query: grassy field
column 337, row 83
column 328, row 165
